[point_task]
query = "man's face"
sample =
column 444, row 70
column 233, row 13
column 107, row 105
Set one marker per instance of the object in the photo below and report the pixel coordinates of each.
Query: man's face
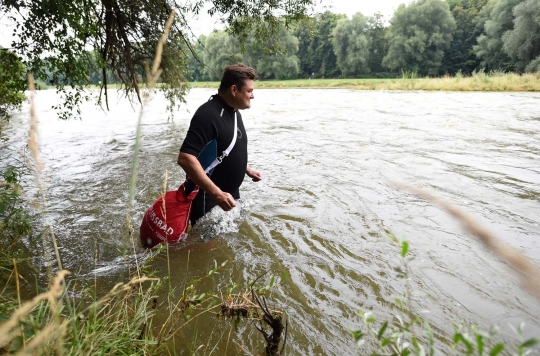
column 243, row 96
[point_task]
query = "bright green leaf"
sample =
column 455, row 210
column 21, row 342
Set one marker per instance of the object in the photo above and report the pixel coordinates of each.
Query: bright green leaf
column 404, row 248
column 480, row 344
column 530, row 343
column 382, row 330
column 357, row 334
column 496, row 350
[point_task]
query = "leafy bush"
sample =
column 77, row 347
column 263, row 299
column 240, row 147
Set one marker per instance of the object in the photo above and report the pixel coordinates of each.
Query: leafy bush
column 15, row 222
column 411, row 334
column 12, row 82
column 534, row 66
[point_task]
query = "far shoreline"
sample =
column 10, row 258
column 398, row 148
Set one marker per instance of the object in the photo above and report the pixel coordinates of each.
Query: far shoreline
column 477, row 82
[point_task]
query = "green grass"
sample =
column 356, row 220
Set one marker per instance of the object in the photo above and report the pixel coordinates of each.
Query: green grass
column 15, row 221
column 302, row 83
column 70, row 319
column 481, row 81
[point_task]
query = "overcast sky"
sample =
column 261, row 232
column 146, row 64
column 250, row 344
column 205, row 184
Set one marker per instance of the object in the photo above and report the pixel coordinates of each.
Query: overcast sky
column 204, row 24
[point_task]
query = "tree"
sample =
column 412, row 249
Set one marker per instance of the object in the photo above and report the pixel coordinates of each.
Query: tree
column 495, row 19
column 460, row 56
column 278, row 60
column 57, row 34
column 221, row 50
column 12, row 82
column 195, row 67
column 280, row 63
column 360, row 44
column 304, row 31
column 534, row 65
column 376, row 31
column 522, row 43
column 419, row 34
column 352, row 46
column 315, row 45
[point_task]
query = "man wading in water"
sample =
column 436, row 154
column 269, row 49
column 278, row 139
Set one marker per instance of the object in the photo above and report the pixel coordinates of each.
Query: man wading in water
column 210, row 133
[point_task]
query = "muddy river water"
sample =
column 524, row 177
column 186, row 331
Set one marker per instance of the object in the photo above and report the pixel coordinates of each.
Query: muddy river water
column 322, row 213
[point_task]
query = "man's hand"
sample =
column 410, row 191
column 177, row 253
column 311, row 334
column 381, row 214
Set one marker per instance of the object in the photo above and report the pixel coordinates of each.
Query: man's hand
column 253, row 174
column 195, row 172
column 225, row 201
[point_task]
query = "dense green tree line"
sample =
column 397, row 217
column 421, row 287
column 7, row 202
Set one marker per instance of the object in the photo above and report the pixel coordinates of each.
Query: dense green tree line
column 426, row 37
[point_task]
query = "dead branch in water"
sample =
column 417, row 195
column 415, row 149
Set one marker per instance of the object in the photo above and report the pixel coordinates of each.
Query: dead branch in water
column 528, row 271
column 275, row 321
column 237, row 306
column 249, row 305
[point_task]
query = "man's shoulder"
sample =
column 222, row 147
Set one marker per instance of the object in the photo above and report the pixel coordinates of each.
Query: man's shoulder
column 211, row 105
column 208, row 109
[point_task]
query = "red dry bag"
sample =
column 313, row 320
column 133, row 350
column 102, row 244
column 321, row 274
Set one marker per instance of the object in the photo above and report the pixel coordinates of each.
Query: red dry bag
column 167, row 221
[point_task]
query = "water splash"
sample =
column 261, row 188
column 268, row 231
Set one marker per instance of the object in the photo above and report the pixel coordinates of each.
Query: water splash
column 120, row 263
column 218, row 222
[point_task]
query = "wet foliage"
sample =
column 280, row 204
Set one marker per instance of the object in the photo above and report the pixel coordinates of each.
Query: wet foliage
column 15, row 220
column 409, row 333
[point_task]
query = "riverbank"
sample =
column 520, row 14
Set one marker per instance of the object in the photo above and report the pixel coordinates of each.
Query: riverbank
column 498, row 82
column 477, row 82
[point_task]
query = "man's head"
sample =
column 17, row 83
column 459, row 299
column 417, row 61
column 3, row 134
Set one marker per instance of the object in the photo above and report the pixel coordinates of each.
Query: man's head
column 236, row 85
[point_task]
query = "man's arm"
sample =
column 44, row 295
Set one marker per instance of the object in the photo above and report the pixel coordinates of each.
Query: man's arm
column 253, row 174
column 190, row 164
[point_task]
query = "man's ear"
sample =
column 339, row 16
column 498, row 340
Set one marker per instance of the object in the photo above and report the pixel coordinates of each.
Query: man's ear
column 234, row 90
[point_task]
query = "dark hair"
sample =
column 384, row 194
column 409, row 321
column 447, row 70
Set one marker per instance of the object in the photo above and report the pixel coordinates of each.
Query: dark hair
column 236, row 74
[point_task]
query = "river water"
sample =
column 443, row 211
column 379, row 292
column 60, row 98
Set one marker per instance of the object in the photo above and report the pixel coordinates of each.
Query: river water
column 322, row 213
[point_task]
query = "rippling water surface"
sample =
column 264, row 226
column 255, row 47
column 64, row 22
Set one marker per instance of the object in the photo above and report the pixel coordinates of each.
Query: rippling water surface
column 324, row 209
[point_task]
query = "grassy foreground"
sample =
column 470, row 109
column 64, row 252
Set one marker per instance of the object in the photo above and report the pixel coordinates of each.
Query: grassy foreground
column 477, row 82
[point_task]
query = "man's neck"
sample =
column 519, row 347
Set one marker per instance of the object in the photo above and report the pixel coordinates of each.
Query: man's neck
column 228, row 99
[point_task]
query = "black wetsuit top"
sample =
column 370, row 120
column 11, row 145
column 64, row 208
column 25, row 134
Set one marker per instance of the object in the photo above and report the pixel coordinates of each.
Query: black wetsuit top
column 210, row 133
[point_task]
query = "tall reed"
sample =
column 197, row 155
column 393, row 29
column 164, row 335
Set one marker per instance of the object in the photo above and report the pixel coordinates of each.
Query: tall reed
column 33, row 145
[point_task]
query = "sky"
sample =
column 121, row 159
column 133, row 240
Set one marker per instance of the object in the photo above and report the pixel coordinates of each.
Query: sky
column 204, row 24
